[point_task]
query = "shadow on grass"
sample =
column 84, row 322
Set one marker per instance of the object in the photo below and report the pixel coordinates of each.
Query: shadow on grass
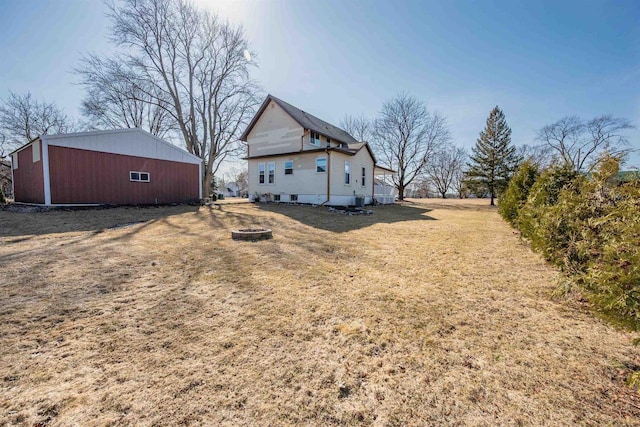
column 24, row 225
column 323, row 218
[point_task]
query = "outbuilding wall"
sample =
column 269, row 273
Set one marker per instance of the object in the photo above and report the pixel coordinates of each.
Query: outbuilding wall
column 91, row 177
column 28, row 177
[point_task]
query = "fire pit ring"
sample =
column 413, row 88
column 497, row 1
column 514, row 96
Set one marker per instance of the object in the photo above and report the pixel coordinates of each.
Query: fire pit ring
column 252, row 234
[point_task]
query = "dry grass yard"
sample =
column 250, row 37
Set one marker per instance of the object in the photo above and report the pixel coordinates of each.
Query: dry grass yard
column 427, row 313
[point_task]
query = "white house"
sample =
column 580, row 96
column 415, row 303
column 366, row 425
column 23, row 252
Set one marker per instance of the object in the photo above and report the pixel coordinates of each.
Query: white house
column 296, row 157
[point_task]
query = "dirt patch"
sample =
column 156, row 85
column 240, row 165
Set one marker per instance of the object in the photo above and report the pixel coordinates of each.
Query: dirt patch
column 431, row 312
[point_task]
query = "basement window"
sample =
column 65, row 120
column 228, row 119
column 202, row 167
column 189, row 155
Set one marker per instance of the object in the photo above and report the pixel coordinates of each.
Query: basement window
column 276, row 197
column 135, row 176
column 293, row 197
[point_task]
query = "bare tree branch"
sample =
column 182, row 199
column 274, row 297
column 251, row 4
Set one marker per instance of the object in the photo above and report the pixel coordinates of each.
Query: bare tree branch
column 577, row 142
column 193, row 66
column 358, row 127
column 406, row 135
column 445, row 168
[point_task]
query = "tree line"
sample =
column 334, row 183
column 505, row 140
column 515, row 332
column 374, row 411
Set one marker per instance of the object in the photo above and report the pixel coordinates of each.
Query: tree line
column 183, row 72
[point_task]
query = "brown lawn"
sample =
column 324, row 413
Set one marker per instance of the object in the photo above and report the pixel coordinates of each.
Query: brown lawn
column 427, row 313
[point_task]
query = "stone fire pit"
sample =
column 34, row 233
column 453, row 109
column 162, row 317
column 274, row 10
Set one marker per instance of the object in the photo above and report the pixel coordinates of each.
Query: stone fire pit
column 252, row 234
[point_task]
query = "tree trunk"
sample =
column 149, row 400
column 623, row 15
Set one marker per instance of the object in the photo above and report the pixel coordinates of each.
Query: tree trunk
column 400, row 192
column 493, row 196
column 444, row 194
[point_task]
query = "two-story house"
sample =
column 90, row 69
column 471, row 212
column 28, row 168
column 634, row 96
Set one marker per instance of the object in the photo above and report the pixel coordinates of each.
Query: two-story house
column 296, row 157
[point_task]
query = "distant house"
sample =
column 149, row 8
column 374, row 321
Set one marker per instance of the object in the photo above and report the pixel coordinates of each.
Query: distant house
column 296, row 157
column 125, row 166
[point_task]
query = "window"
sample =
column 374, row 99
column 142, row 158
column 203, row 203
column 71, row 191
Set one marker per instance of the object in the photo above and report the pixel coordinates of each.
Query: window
column 35, row 150
column 328, row 142
column 347, row 172
column 293, row 197
column 261, row 173
column 276, row 197
column 315, row 138
column 321, row 165
column 139, row 176
column 288, row 167
column 272, row 173
column 364, row 176
column 14, row 161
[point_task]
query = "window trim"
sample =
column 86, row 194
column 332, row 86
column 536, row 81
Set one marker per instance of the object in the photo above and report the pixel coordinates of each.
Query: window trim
column 262, row 173
column 271, row 172
column 347, row 172
column 314, row 139
column 290, row 169
column 325, row 164
column 139, row 178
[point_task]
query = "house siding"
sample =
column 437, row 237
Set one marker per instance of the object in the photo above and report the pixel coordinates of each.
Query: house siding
column 28, row 178
column 91, row 177
column 274, row 132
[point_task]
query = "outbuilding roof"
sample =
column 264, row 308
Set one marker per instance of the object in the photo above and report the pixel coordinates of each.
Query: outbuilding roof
column 304, row 119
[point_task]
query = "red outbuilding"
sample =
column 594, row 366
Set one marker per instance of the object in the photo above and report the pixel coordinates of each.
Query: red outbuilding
column 119, row 167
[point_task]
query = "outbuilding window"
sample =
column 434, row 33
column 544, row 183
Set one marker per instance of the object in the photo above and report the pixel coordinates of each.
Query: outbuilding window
column 321, row 165
column 135, row 176
column 14, row 161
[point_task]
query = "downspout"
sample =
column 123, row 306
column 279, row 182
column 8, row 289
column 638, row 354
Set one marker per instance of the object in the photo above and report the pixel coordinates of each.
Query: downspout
column 328, row 178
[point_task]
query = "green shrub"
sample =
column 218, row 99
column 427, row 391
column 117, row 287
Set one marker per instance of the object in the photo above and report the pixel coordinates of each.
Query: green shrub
column 542, row 196
column 516, row 194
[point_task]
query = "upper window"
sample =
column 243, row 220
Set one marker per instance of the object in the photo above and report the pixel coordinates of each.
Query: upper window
column 321, row 165
column 347, row 172
column 315, row 138
column 272, row 173
column 261, row 170
column 288, row 167
column 328, row 142
column 139, row 176
column 364, row 176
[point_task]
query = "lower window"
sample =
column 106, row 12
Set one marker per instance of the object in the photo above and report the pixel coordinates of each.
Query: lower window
column 276, row 197
column 293, row 197
column 139, row 176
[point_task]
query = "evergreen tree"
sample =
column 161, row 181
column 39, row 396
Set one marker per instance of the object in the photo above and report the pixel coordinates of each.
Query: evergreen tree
column 494, row 158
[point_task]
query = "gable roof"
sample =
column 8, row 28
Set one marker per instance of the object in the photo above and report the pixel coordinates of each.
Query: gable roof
column 304, row 119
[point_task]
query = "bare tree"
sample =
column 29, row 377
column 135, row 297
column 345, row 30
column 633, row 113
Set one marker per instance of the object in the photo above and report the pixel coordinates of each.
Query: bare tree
column 195, row 67
column 540, row 154
column 358, row 127
column 445, row 167
column 577, row 141
column 114, row 99
column 406, row 135
column 22, row 118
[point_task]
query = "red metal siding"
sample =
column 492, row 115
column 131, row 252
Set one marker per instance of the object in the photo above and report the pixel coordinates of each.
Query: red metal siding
column 86, row 177
column 28, row 179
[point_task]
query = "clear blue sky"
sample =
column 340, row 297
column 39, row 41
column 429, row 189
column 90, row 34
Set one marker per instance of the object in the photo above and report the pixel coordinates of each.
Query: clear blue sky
column 537, row 60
